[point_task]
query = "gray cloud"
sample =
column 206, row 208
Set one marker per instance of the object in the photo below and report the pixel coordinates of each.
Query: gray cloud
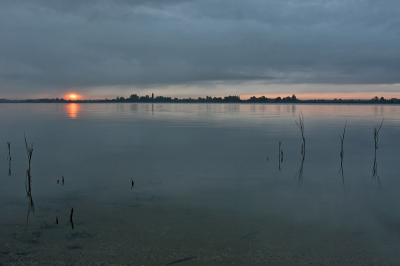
column 53, row 45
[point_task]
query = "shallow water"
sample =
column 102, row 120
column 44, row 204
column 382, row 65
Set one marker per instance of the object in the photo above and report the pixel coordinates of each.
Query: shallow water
column 208, row 186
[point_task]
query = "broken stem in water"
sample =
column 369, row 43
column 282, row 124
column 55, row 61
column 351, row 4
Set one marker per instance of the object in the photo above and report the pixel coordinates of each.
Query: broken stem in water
column 9, row 150
column 300, row 124
column 70, row 218
column 341, row 140
column 9, row 158
column 29, row 151
column 376, row 132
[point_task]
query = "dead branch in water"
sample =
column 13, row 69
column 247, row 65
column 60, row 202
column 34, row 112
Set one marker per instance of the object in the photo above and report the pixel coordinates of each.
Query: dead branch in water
column 70, row 218
column 342, row 139
column 29, row 151
column 9, row 157
column 376, row 132
column 9, row 150
column 300, row 124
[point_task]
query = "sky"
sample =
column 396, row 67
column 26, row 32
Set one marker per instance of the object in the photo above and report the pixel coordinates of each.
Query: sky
column 193, row 48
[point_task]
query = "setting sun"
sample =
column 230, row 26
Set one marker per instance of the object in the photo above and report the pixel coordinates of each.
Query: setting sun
column 72, row 96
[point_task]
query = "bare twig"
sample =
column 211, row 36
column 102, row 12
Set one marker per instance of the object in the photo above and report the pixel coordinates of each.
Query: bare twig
column 376, row 132
column 29, row 151
column 70, row 218
column 341, row 140
column 9, row 158
column 300, row 124
column 9, row 150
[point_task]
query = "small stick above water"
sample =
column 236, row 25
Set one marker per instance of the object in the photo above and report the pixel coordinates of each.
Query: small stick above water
column 9, row 158
column 181, row 260
column 70, row 218
column 251, row 234
column 9, row 150
column 342, row 139
column 29, row 151
column 376, row 131
column 300, row 124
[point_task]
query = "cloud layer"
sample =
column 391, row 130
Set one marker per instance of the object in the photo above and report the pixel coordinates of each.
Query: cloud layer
column 50, row 46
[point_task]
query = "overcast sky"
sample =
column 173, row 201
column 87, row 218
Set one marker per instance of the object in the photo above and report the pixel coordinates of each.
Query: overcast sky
column 196, row 48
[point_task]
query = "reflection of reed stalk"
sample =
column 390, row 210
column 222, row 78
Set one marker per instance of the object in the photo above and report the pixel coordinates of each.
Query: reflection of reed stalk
column 28, row 179
column 28, row 187
column 300, row 171
column 9, row 158
column 375, row 166
column 341, row 151
column 280, row 142
column 300, row 124
column 375, row 172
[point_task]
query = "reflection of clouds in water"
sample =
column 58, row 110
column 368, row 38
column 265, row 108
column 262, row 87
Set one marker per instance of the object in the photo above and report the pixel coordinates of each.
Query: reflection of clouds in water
column 73, row 110
column 190, row 163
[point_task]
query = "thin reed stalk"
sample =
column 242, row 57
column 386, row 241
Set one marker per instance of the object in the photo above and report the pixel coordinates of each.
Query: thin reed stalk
column 300, row 124
column 376, row 132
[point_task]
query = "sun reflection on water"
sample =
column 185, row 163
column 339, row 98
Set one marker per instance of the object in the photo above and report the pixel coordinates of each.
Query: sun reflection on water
column 73, row 110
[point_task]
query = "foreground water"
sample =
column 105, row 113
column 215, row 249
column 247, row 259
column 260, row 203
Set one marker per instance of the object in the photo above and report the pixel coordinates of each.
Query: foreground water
column 209, row 187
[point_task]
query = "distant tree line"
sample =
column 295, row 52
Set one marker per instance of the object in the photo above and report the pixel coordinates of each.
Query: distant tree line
column 134, row 98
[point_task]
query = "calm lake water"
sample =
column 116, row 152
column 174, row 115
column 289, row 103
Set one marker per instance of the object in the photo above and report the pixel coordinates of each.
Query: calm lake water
column 209, row 186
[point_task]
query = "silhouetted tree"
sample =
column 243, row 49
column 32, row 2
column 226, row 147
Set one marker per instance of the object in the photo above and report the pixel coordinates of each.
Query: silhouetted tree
column 230, row 99
column 133, row 98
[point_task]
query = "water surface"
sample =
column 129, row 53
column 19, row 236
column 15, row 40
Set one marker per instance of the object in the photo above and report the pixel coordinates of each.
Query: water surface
column 208, row 185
